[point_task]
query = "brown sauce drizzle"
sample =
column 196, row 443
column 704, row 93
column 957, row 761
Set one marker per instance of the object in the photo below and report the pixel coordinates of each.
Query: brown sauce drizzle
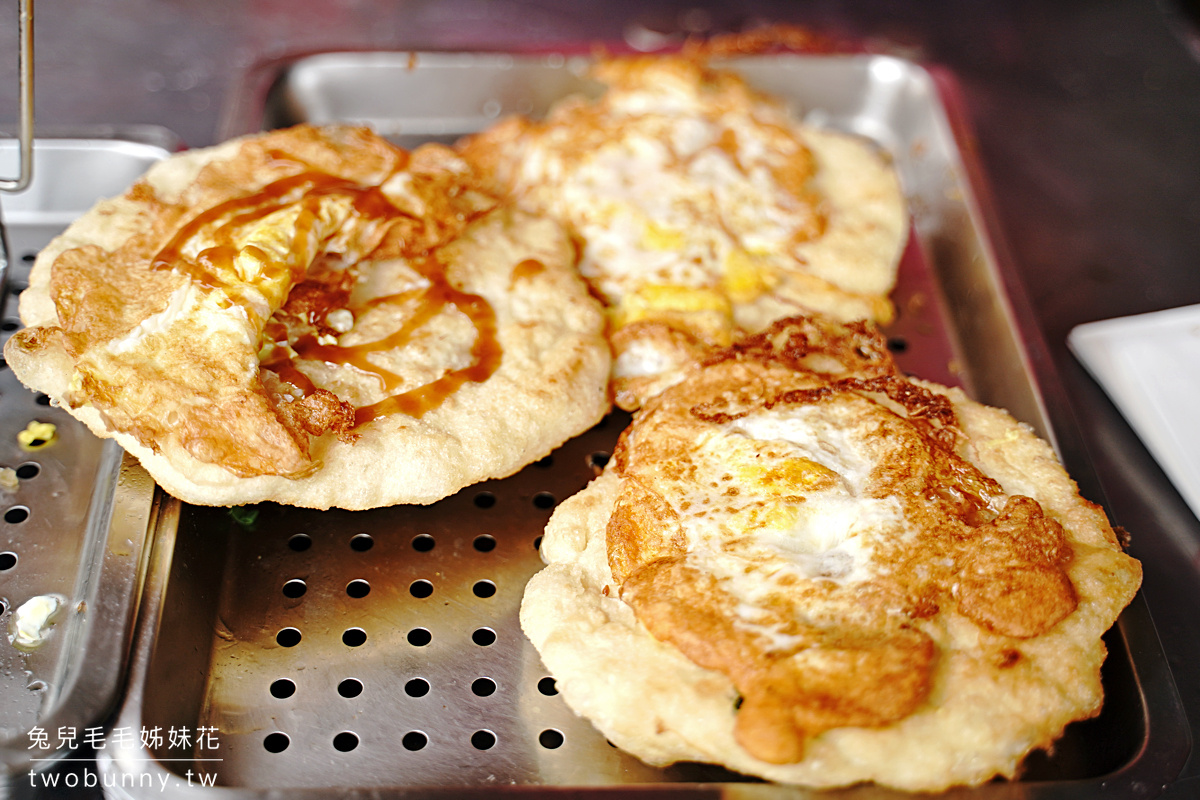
column 485, row 356
column 283, row 366
column 306, row 189
column 226, row 218
column 529, row 268
column 485, row 352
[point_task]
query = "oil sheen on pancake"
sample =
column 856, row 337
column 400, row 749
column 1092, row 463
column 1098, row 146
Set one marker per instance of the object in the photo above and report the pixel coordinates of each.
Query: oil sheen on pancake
column 828, row 579
column 703, row 204
column 317, row 317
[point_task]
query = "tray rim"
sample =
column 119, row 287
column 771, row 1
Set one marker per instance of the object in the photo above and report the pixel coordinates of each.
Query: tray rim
column 119, row 512
column 113, row 566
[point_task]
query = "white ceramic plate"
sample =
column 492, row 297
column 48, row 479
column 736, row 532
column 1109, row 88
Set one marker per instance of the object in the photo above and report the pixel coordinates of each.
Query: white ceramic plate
column 1150, row 366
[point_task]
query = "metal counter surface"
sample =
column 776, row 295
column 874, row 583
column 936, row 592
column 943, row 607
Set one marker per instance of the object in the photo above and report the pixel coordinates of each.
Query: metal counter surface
column 1087, row 124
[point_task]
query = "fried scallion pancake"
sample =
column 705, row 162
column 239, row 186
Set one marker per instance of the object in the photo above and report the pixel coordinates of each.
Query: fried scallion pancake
column 316, row 317
column 703, row 204
column 826, row 581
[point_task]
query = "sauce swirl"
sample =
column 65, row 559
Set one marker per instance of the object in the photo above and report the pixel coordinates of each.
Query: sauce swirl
column 215, row 267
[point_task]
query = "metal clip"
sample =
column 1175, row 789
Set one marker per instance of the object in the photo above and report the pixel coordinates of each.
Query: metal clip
column 25, row 134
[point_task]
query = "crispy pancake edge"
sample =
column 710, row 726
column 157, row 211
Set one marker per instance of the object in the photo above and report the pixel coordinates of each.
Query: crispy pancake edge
column 980, row 721
column 551, row 384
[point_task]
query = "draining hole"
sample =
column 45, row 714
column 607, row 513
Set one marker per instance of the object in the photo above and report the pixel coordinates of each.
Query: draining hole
column 485, row 500
column 300, row 542
column 358, row 588
column 27, row 471
column 8, row 560
column 29, row 257
column 3, row 607
column 16, row 514
column 43, row 399
column 295, row 588
column 288, row 637
column 537, row 543
column 483, row 740
column 9, row 325
column 423, row 543
column 484, row 588
column 414, row 740
column 544, row 500
column 544, row 463
column 599, row 460
column 276, row 742
column 421, row 589
column 345, row 741
column 484, row 637
column 351, row 687
column 550, row 739
column 485, row 543
column 283, row 688
column 417, row 687
column 361, row 542
column 897, row 344
column 547, row 687
column 354, row 637
column 483, row 687
column 419, row 637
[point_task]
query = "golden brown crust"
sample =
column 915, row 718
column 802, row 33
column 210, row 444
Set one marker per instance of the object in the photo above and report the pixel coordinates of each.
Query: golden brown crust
column 700, row 203
column 857, row 556
column 249, row 314
column 104, row 296
column 816, row 345
column 779, row 36
column 839, row 676
column 642, row 530
column 317, row 413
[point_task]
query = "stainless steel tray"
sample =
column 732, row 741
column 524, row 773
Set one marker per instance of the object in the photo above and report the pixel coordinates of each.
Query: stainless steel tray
column 379, row 652
column 76, row 525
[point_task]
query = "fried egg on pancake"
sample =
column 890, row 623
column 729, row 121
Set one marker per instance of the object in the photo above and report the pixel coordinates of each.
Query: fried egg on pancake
column 704, row 204
column 827, row 582
column 316, row 317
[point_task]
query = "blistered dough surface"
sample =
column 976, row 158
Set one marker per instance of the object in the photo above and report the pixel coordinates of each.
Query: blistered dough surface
column 828, row 581
column 316, row 317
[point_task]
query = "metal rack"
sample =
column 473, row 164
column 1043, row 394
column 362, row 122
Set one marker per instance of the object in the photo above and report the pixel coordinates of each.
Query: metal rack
column 74, row 512
column 379, row 653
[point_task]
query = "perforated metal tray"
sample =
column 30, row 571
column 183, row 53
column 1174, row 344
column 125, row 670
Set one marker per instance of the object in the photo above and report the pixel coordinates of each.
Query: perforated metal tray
column 76, row 523
column 379, row 652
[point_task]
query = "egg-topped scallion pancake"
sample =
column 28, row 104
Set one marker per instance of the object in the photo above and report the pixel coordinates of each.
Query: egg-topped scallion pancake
column 827, row 579
column 317, row 317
